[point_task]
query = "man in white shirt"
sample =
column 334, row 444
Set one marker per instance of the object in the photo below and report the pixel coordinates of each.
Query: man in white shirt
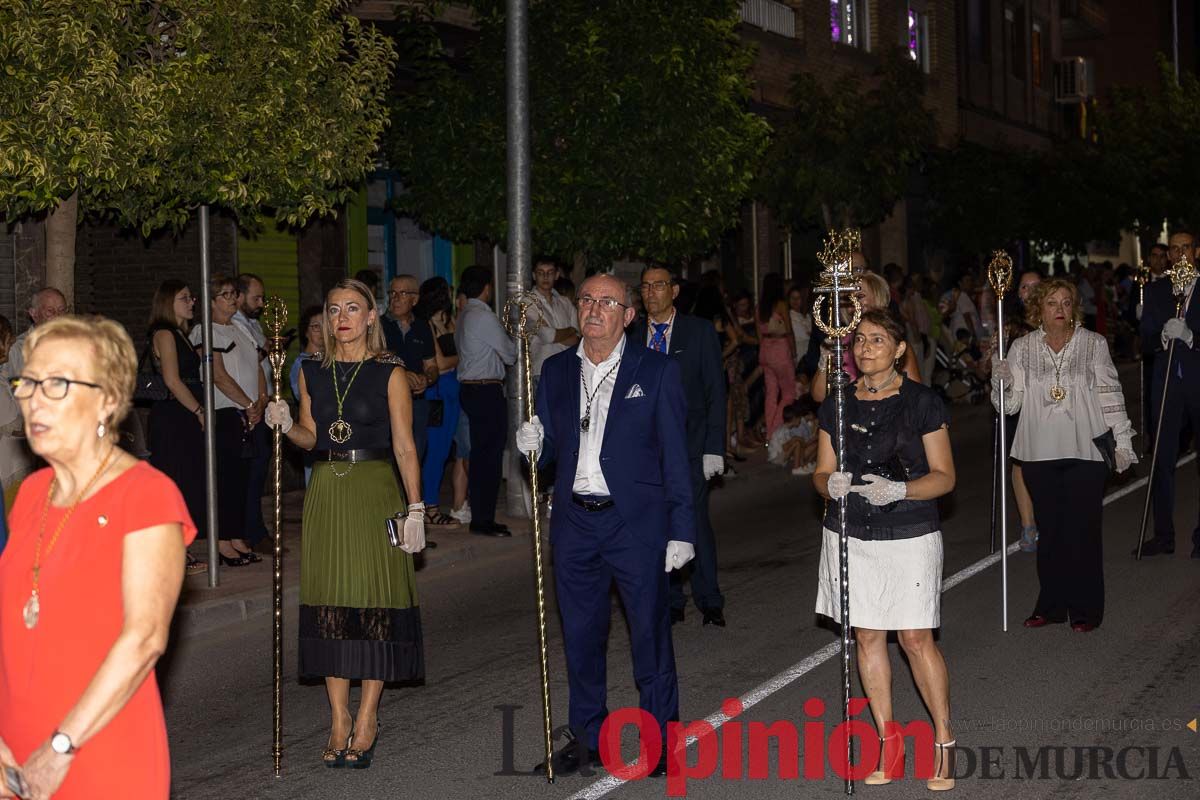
column 251, row 301
column 558, row 324
column 611, row 417
column 46, row 304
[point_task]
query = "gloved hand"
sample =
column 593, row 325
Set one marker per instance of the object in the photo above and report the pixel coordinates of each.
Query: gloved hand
column 839, row 485
column 678, row 554
column 1137, row 311
column 529, row 436
column 279, row 416
column 1124, row 459
column 414, row 529
column 713, row 465
column 879, row 491
column 1001, row 370
column 1176, row 328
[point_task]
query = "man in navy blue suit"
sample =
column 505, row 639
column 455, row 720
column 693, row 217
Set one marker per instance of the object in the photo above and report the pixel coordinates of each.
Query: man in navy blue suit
column 1160, row 328
column 611, row 418
column 692, row 342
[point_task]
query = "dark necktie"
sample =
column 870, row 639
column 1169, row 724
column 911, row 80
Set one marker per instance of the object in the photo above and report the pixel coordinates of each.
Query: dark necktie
column 659, row 340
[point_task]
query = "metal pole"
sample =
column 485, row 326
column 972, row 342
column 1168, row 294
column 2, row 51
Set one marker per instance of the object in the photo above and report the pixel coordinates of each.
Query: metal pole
column 519, row 255
column 1000, row 277
column 787, row 258
column 995, row 479
column 210, row 437
column 754, row 248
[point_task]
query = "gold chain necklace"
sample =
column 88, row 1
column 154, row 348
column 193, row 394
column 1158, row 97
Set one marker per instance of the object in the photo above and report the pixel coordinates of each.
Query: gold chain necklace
column 1058, row 392
column 340, row 430
column 33, row 606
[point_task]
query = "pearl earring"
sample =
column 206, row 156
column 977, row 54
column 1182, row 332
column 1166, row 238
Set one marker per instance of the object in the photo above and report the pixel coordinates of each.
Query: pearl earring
column 100, row 430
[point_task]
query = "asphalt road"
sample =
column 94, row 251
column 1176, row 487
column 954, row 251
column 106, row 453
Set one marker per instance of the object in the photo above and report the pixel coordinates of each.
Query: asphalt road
column 1022, row 701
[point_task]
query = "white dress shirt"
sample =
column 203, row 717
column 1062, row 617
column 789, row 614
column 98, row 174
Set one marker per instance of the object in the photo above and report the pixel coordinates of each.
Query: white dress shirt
column 1094, row 403
column 558, row 313
column 484, row 348
column 254, row 328
column 239, row 355
column 588, row 477
column 650, row 323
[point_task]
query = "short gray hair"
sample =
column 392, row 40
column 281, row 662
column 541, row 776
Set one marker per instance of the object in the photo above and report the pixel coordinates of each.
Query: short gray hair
column 630, row 292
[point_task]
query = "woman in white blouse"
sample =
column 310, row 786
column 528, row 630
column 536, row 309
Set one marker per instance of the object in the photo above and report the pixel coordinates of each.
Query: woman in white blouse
column 1062, row 380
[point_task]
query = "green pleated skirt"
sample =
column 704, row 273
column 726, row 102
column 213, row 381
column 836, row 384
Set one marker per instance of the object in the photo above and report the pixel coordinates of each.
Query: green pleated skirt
column 359, row 617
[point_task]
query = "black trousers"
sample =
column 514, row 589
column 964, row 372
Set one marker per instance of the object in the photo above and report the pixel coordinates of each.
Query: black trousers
column 488, row 417
column 1068, row 502
column 1181, row 412
column 232, row 471
column 706, row 592
column 258, row 450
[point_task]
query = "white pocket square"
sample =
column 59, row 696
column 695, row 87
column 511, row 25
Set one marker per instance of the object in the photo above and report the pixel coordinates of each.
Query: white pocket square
column 634, row 391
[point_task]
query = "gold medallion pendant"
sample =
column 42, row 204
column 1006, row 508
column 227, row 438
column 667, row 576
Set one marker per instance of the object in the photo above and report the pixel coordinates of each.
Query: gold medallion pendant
column 340, row 431
column 33, row 609
column 1058, row 393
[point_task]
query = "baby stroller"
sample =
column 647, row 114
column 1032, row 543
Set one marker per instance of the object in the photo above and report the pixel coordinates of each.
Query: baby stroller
column 955, row 380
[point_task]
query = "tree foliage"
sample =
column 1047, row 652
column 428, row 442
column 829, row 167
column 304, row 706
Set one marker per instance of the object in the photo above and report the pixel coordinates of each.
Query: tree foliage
column 641, row 142
column 845, row 155
column 148, row 109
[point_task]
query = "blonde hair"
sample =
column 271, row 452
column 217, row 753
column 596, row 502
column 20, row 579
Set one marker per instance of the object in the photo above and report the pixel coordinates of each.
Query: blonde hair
column 113, row 358
column 1033, row 306
column 878, row 293
column 375, row 342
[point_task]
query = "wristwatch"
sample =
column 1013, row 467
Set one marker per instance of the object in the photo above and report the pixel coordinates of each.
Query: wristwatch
column 62, row 744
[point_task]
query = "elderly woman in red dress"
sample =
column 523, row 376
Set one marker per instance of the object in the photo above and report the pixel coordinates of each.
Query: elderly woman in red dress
column 89, row 580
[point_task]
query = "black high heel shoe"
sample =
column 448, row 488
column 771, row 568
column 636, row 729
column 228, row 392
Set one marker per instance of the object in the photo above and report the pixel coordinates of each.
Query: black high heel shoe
column 336, row 759
column 249, row 555
column 361, row 759
column 236, row 561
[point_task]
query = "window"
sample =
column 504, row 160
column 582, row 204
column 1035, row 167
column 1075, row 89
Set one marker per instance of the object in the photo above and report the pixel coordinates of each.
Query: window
column 849, row 23
column 918, row 35
column 979, row 46
column 1036, row 59
column 1014, row 40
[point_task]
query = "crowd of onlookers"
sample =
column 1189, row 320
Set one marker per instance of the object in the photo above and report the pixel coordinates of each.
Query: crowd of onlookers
column 775, row 361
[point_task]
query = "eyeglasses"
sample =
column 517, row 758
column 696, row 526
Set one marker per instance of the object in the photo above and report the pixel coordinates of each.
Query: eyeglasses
column 53, row 388
column 657, row 286
column 227, row 294
column 607, row 303
column 403, row 293
column 187, row 298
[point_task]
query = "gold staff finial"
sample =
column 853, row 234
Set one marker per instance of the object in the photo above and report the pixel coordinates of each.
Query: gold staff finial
column 1182, row 274
column 999, row 272
column 840, row 277
column 1142, row 275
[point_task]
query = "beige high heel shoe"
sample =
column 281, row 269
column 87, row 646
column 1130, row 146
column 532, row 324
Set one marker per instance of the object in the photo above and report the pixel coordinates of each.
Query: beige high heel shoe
column 943, row 759
column 891, row 761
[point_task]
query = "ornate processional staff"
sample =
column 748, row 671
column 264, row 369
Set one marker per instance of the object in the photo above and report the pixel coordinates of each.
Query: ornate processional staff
column 838, row 279
column 519, row 325
column 1181, row 275
column 274, row 316
column 1000, row 277
column 1142, row 277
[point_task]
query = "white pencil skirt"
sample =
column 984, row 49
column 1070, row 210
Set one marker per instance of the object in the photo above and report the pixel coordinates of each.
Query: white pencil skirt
column 894, row 585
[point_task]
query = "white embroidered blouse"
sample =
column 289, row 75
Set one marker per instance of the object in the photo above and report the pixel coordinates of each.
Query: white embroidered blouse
column 1093, row 403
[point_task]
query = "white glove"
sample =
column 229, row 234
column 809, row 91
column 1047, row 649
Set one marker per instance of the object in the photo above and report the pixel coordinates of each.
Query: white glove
column 880, row 491
column 1001, row 371
column 713, row 465
column 1124, row 459
column 1137, row 311
column 529, row 436
column 1176, row 328
column 279, row 416
column 414, row 529
column 839, row 485
column 678, row 554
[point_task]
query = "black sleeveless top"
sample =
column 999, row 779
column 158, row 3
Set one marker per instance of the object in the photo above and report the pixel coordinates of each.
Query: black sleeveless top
column 884, row 436
column 365, row 403
column 185, row 354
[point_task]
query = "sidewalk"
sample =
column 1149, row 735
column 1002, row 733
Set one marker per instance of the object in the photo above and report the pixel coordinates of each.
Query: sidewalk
column 245, row 592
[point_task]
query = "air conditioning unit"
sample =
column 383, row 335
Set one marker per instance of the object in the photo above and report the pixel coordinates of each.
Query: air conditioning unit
column 1073, row 80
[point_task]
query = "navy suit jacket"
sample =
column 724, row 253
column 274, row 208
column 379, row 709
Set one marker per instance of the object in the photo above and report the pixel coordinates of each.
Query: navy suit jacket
column 1158, row 307
column 695, row 346
column 644, row 451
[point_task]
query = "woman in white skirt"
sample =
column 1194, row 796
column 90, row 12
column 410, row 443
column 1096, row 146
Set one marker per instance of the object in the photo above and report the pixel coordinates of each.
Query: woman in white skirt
column 898, row 463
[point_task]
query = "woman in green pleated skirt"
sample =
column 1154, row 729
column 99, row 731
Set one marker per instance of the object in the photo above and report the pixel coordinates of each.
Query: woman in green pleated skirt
column 359, row 618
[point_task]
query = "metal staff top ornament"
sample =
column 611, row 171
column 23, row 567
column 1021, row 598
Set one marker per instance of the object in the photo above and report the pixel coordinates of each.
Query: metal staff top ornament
column 274, row 317
column 1141, row 276
column 838, row 277
column 1181, row 275
column 1000, row 270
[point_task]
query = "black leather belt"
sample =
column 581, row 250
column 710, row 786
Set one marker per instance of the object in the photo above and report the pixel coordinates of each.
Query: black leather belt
column 352, row 456
column 592, row 503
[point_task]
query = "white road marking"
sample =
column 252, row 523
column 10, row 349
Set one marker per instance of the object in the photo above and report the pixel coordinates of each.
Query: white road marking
column 807, row 664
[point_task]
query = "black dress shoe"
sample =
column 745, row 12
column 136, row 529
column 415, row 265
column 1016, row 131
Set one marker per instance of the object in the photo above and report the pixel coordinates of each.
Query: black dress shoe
column 1156, row 547
column 568, row 760
column 489, row 529
column 714, row 616
column 430, row 544
column 676, row 615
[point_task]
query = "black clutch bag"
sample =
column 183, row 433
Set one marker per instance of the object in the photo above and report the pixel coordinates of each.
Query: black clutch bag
column 893, row 470
column 437, row 413
column 1106, row 443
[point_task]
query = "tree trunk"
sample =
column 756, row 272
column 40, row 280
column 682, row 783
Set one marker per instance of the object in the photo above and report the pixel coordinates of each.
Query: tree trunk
column 61, row 225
